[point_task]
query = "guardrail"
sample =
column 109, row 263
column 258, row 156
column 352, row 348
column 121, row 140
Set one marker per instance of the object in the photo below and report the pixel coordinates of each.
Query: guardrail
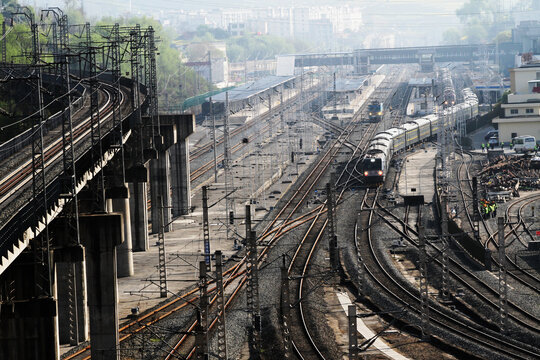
column 18, row 142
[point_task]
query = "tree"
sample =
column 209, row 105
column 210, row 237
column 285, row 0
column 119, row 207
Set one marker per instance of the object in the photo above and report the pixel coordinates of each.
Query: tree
column 484, row 20
column 260, row 47
column 176, row 82
column 452, row 37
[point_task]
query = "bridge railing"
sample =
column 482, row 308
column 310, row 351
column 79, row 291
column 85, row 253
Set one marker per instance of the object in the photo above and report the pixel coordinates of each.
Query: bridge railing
column 13, row 229
column 17, row 143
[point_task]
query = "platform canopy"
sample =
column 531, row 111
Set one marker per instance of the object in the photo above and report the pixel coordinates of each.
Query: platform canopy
column 253, row 88
column 348, row 85
column 421, row 82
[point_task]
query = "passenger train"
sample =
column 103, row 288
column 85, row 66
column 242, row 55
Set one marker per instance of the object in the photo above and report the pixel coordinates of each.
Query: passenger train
column 384, row 144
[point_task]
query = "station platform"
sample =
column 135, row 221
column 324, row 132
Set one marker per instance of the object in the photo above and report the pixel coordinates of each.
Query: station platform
column 416, row 176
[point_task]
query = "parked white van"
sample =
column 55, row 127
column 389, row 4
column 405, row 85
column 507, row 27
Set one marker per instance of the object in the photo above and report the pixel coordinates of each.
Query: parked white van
column 524, row 143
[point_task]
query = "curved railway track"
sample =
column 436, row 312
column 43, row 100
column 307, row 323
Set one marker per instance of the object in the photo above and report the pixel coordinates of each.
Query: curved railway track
column 20, row 176
column 410, row 299
column 283, row 222
column 15, row 199
column 465, row 277
column 270, row 235
column 516, row 272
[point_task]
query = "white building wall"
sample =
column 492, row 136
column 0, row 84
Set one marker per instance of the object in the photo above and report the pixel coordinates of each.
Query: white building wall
column 507, row 129
column 519, row 78
column 522, row 112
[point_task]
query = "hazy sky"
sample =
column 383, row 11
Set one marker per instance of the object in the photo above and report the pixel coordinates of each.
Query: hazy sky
column 114, row 7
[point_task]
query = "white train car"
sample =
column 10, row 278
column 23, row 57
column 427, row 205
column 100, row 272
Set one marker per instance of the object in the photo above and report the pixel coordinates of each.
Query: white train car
column 386, row 143
column 424, row 128
column 411, row 133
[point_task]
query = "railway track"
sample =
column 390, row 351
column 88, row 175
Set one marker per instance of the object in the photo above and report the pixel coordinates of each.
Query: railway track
column 409, row 298
column 305, row 347
column 19, row 176
column 283, row 222
column 17, row 170
column 464, row 276
column 516, row 272
column 270, row 234
column 522, row 202
column 206, row 147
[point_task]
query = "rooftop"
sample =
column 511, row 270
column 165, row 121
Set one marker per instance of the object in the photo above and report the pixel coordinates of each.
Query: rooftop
column 420, row 82
column 524, row 67
column 517, row 119
column 347, row 85
column 252, row 88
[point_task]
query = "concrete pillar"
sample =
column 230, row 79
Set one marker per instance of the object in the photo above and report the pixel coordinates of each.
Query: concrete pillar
column 137, row 178
column 139, row 215
column 28, row 324
column 71, row 291
column 174, row 130
column 100, row 234
column 160, row 185
column 78, row 287
column 181, row 190
column 181, row 187
column 118, row 201
column 70, row 271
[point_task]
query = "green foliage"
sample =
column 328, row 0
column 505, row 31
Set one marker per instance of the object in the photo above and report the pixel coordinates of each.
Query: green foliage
column 483, row 22
column 204, row 31
column 176, row 82
column 504, row 36
column 259, row 47
column 452, row 37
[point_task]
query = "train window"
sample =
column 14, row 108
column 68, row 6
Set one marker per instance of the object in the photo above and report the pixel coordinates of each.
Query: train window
column 513, row 111
column 529, row 111
column 372, row 164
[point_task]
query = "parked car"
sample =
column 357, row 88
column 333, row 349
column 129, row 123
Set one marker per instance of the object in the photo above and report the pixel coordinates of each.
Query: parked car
column 493, row 141
column 492, row 133
column 524, row 143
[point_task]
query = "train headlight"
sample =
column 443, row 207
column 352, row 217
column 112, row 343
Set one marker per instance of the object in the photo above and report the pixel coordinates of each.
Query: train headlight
column 365, row 173
column 379, row 113
column 380, row 172
column 370, row 114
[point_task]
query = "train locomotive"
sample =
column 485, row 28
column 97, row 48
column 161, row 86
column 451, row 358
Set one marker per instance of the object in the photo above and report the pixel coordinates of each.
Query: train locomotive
column 375, row 111
column 374, row 165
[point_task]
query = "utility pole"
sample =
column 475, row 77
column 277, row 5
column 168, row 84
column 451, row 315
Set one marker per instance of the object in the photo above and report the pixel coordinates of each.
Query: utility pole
column 285, row 309
column 71, row 223
column 229, row 186
column 95, row 124
column 214, row 139
column 161, row 251
column 210, row 67
column 206, row 228
column 270, row 130
column 4, row 42
column 503, row 286
column 445, row 291
column 220, row 302
column 282, row 112
column 335, row 96
column 201, row 333
column 248, row 221
column 424, row 294
column 252, row 295
column 476, row 212
column 353, row 337
column 332, row 241
column 361, row 269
